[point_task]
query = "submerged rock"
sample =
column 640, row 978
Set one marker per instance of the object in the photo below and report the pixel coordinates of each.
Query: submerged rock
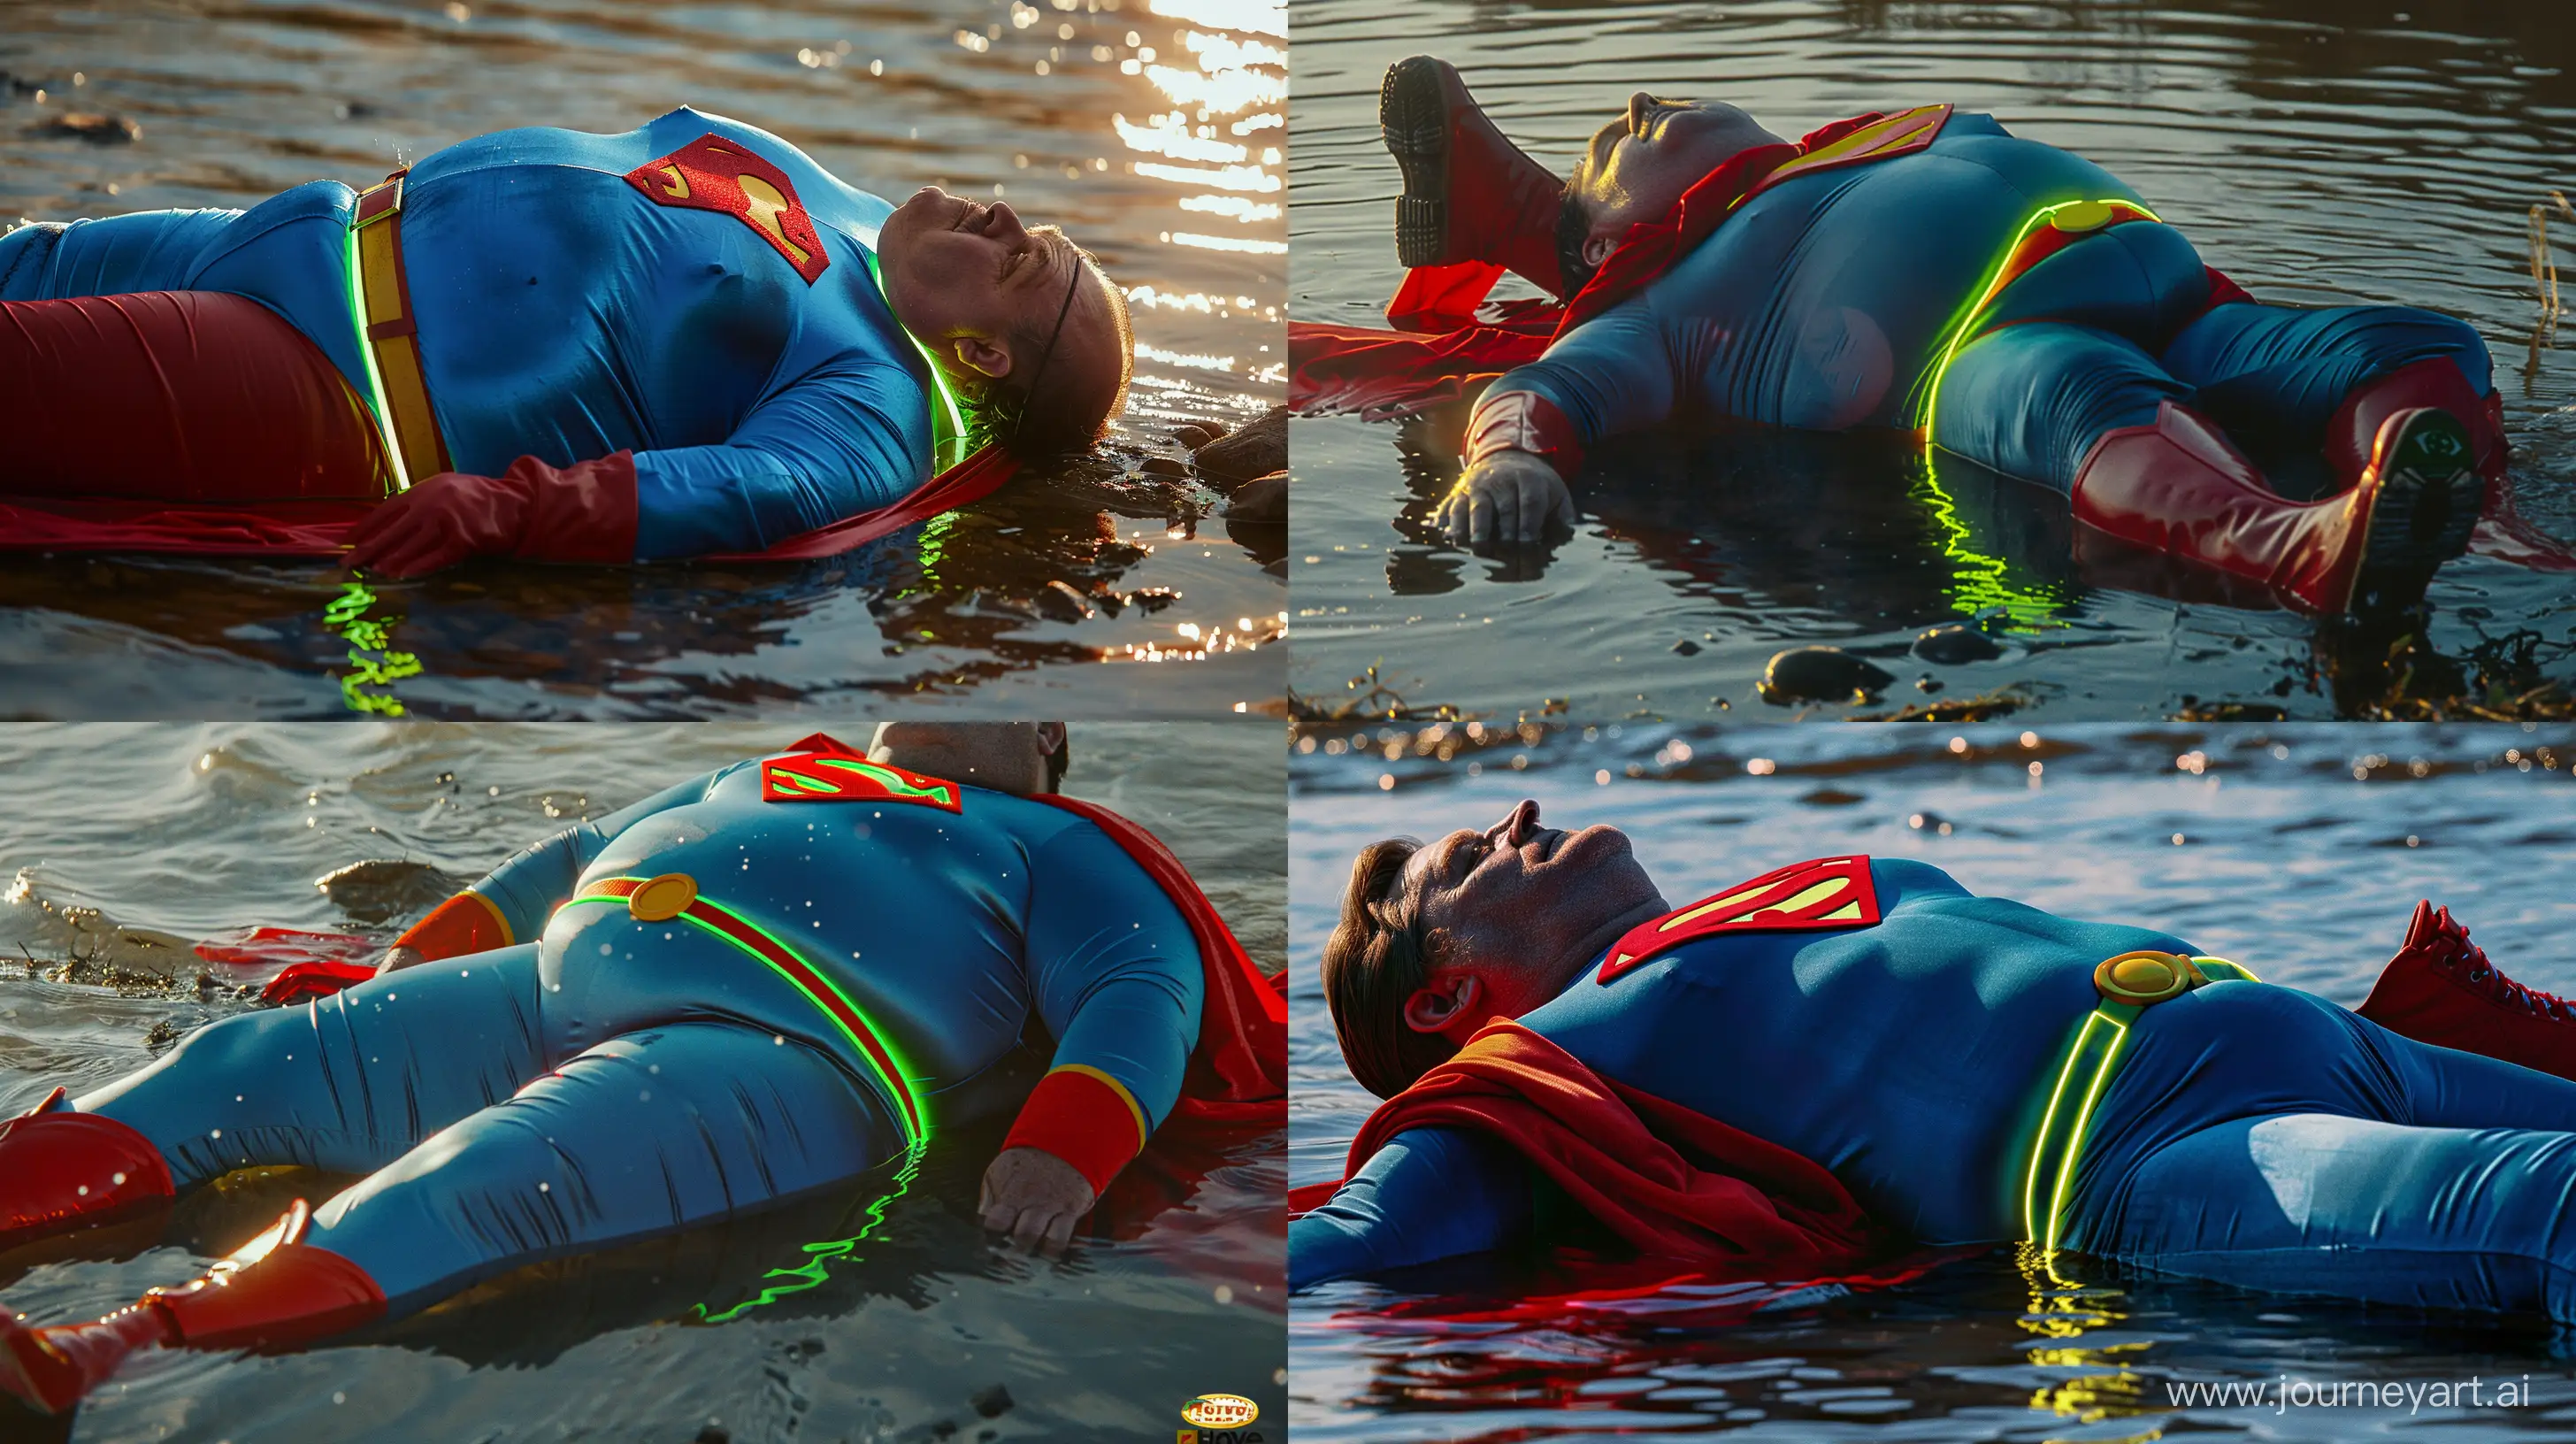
column 1821, row 674
column 382, row 889
column 90, row 126
column 1954, row 646
column 991, row 1401
column 1255, row 449
column 1262, row 501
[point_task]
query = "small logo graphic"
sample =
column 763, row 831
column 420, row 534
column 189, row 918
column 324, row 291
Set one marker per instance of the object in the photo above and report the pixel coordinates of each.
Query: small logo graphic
column 1219, row 1411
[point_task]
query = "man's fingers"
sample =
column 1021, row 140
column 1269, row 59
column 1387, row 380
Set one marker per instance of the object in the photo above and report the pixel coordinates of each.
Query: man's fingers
column 1480, row 516
column 1059, row 1234
column 1563, row 511
column 1507, row 511
column 1030, row 1231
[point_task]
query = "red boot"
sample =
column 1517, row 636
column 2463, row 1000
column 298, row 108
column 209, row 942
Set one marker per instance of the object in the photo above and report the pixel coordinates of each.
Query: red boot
column 2352, row 437
column 2182, row 488
column 1469, row 194
column 276, row 1292
column 61, row 1170
column 2440, row 989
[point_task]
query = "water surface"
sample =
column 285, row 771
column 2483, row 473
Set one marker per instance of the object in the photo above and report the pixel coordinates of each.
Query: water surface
column 2315, row 150
column 2298, row 850
column 1074, row 112
column 123, row 844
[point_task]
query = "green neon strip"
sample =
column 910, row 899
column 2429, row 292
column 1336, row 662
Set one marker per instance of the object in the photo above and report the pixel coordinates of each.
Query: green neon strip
column 1963, row 321
column 375, row 397
column 947, row 419
column 812, row 1272
column 884, row 777
column 2083, row 1120
column 2039, row 1146
column 908, row 1109
column 810, row 784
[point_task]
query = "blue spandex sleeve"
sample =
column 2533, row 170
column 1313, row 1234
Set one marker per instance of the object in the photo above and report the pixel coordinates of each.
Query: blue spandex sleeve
column 538, row 878
column 1430, row 1193
column 1113, row 968
column 1614, row 373
column 850, row 436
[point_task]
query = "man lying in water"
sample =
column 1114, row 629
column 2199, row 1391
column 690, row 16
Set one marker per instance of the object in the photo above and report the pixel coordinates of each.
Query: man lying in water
column 748, row 987
column 1890, row 1058
column 2017, row 304
column 685, row 339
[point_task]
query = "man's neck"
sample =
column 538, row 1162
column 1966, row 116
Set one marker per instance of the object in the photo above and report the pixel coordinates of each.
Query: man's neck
column 1598, row 941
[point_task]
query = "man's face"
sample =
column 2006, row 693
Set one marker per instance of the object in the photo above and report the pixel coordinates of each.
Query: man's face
column 1518, row 904
column 983, row 291
column 1640, row 163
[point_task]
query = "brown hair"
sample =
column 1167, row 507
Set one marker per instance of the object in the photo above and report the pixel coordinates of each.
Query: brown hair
column 1066, row 412
column 1377, row 956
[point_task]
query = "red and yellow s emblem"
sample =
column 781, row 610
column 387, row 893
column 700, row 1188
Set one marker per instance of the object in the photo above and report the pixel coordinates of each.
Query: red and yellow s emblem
column 715, row 174
column 1823, row 895
column 843, row 777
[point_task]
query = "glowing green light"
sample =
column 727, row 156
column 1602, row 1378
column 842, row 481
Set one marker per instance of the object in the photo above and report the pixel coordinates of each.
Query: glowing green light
column 813, row 1272
column 948, row 429
column 346, row 616
column 866, row 1039
column 887, row 778
column 375, row 397
column 1963, row 322
column 1979, row 581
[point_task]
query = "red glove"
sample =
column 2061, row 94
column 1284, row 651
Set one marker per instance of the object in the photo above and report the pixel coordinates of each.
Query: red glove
column 314, row 980
column 584, row 512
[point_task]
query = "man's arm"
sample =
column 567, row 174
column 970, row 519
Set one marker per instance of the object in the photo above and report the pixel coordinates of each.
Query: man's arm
column 1430, row 1193
column 847, row 437
column 1529, row 431
column 512, row 902
column 1116, row 977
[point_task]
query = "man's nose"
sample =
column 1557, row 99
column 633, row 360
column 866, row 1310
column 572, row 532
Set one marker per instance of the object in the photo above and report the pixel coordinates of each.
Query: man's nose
column 1005, row 224
column 1640, row 107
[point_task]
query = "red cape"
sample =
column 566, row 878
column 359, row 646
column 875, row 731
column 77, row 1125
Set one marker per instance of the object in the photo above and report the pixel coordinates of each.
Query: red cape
column 1671, row 1182
column 1439, row 342
column 322, row 528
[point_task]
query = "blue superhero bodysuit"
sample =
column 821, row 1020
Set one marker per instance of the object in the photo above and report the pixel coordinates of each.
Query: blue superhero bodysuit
column 2254, row 1135
column 1823, row 302
column 566, row 315
column 615, row 1078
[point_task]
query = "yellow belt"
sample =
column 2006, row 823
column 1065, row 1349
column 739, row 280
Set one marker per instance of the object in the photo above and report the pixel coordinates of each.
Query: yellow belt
column 393, row 337
column 2129, row 985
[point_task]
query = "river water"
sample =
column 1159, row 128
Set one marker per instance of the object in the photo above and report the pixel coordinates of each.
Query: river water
column 1087, row 114
column 125, row 843
column 2318, row 151
column 2298, row 850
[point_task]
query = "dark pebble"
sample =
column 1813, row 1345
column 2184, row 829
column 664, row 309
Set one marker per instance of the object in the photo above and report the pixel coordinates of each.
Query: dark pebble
column 714, row 1434
column 1260, row 502
column 1194, row 434
column 1955, row 645
column 1821, row 674
column 945, row 1428
column 382, row 889
column 1063, row 603
column 1253, row 450
column 89, row 126
column 991, row 1401
column 1686, row 647
column 1163, row 466
column 1927, row 683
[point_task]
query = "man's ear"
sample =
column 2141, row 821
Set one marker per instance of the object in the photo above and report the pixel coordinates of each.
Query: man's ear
column 981, row 354
column 1597, row 248
column 1437, row 1005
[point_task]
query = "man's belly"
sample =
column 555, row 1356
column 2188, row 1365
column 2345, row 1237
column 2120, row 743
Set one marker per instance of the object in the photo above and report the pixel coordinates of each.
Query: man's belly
column 897, row 952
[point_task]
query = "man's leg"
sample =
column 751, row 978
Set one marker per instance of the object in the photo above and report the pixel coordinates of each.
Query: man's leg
column 349, row 1082
column 2293, row 383
column 642, row 1135
column 2311, row 1203
column 176, row 396
column 2031, row 399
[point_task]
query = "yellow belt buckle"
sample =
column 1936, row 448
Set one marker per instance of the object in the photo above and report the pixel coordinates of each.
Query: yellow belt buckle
column 370, row 210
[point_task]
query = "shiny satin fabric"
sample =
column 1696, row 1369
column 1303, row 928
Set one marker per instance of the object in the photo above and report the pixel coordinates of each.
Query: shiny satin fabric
column 566, row 315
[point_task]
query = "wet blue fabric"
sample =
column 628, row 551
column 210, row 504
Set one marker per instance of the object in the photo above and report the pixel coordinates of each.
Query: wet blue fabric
column 1824, row 304
column 613, row 1078
column 565, row 316
column 2254, row 1135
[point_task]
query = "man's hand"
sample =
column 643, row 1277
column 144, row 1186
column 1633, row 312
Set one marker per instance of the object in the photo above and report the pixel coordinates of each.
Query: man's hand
column 1511, row 498
column 397, row 958
column 438, row 523
column 1036, row 1198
